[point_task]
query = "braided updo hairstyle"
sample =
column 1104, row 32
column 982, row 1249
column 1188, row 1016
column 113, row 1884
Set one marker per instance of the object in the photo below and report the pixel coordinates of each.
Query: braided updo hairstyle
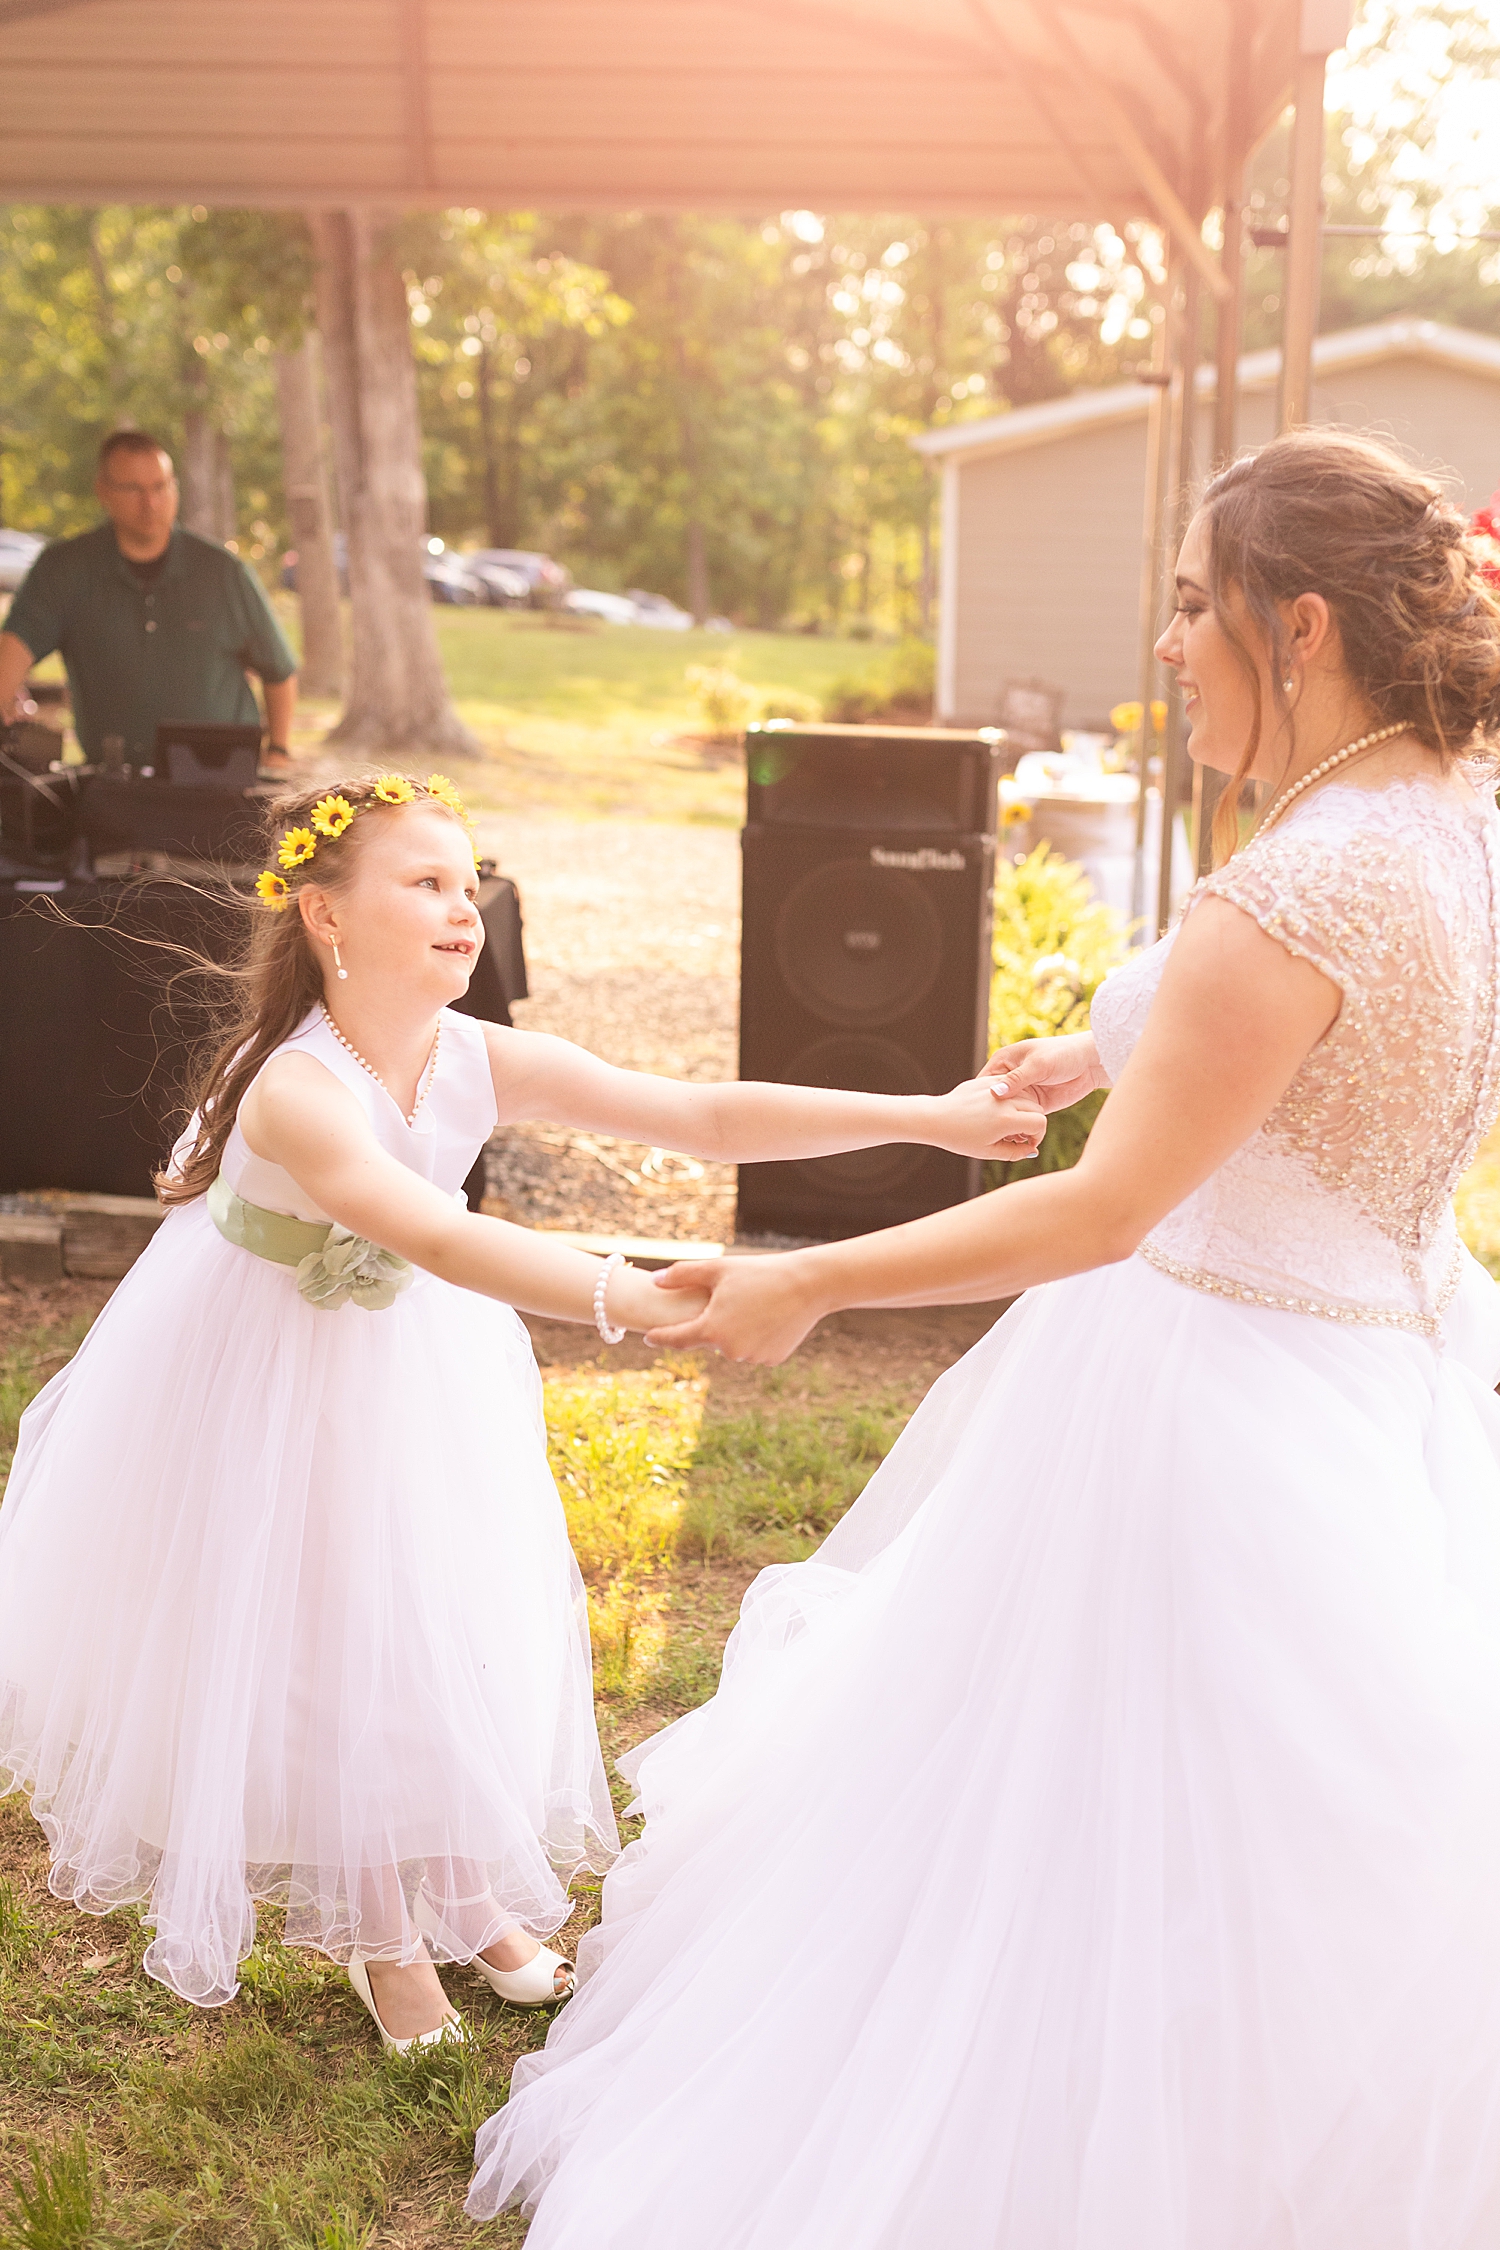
column 1333, row 513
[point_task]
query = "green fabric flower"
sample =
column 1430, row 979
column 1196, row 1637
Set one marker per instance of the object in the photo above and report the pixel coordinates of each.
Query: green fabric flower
column 350, row 1270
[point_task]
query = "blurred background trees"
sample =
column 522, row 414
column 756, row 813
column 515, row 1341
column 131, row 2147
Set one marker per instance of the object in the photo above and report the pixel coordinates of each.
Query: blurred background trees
column 714, row 409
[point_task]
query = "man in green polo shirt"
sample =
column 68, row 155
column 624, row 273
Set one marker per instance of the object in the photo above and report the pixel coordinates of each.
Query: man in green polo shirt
column 154, row 624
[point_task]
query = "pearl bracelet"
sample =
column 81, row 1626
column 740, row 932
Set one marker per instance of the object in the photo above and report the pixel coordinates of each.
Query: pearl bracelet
column 608, row 1332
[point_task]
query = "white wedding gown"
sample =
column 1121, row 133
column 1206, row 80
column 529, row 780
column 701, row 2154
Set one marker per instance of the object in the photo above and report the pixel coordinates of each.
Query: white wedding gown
column 287, row 1606
column 1096, row 1845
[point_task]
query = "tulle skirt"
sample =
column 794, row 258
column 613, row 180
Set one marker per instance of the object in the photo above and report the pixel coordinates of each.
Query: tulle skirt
column 288, row 1612
column 1096, row 1846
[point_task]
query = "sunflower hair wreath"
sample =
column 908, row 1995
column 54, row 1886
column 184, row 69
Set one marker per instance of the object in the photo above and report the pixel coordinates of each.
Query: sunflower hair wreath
column 332, row 814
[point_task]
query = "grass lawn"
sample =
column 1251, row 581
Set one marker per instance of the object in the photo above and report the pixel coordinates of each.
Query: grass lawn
column 599, row 721
column 127, row 2117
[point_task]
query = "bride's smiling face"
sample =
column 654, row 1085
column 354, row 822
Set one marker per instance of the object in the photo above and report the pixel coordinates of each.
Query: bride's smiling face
column 1216, row 691
column 407, row 917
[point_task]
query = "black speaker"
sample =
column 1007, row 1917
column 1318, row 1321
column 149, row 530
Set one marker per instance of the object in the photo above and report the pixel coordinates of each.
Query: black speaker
column 917, row 778
column 865, row 964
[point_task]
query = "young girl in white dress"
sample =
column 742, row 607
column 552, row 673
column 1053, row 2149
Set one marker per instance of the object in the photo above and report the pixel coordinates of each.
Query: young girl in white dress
column 287, row 1609
column 1096, row 1845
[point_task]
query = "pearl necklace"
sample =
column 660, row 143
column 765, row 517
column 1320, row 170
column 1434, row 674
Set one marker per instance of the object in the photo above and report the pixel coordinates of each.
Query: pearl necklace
column 1338, row 758
column 427, row 1075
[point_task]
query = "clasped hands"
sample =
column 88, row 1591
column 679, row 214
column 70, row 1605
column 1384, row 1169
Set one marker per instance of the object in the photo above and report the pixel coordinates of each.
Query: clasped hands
column 761, row 1308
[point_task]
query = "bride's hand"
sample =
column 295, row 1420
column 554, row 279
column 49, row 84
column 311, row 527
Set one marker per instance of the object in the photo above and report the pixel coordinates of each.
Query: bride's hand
column 1053, row 1073
column 758, row 1308
column 979, row 1118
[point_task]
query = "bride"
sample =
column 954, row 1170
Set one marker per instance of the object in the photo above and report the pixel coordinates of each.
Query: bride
column 1096, row 1845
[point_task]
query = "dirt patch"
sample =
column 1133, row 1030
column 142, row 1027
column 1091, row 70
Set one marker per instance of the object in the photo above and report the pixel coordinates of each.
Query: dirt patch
column 31, row 1311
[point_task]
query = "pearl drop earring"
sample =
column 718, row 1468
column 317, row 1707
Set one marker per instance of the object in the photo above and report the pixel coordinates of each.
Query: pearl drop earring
column 339, row 963
column 1288, row 684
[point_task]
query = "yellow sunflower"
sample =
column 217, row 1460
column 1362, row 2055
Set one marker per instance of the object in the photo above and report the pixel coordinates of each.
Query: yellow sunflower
column 270, row 888
column 332, row 815
column 393, row 789
column 297, row 847
column 439, row 786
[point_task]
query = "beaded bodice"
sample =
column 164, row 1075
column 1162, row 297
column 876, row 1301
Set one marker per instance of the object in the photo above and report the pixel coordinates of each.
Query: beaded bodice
column 1340, row 1204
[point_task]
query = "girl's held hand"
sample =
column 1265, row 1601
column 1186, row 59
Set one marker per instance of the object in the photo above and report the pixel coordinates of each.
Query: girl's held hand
column 756, row 1308
column 1053, row 1073
column 981, row 1118
column 633, row 1301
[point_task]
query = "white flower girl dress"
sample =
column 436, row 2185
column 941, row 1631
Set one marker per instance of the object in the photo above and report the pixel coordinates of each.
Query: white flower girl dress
column 287, row 1607
column 1096, row 1845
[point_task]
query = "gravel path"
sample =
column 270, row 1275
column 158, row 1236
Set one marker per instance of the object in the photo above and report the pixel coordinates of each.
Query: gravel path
column 632, row 950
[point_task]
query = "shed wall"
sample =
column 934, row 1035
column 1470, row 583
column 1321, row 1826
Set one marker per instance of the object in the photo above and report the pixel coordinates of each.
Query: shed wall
column 1049, row 535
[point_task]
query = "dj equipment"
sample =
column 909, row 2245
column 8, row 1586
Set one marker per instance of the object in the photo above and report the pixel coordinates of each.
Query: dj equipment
column 869, row 868
column 121, row 814
column 91, row 1042
column 209, row 757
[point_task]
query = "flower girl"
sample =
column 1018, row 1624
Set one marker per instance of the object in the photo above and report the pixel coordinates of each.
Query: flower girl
column 287, row 1609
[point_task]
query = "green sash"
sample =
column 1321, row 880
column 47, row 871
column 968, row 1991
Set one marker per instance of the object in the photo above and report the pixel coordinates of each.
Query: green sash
column 334, row 1267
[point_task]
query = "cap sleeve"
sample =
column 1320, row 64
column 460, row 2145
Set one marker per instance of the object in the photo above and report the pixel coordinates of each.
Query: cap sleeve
column 1346, row 907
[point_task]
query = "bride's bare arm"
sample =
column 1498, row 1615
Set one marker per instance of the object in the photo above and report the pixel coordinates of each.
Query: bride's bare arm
column 297, row 1115
column 1234, row 1019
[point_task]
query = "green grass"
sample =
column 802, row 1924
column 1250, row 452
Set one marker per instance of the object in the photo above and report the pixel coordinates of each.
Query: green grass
column 600, row 722
column 128, row 2118
column 515, row 662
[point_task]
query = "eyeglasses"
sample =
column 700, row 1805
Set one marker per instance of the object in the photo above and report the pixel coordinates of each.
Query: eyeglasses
column 142, row 491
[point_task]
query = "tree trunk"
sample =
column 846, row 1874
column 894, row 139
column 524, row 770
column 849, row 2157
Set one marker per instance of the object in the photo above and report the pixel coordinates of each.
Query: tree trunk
column 494, row 525
column 398, row 698
column 197, row 471
column 322, row 671
column 226, row 512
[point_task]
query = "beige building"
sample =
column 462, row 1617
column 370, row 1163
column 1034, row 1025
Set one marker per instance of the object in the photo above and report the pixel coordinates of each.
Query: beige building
column 1042, row 508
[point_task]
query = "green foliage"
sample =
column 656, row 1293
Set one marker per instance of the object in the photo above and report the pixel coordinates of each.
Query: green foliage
column 1054, row 945
column 55, row 2200
column 725, row 703
column 900, row 688
column 123, row 315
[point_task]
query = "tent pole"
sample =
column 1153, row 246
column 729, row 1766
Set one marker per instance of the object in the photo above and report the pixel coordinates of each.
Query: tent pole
column 1207, row 784
column 1151, row 567
column 1231, row 309
column 1324, row 26
column 1179, row 484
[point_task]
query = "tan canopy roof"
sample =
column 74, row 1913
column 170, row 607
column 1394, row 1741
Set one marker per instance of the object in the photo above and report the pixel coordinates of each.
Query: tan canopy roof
column 1099, row 108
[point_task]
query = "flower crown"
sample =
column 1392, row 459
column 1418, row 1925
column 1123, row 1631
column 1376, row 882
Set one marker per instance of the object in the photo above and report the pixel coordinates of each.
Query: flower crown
column 331, row 815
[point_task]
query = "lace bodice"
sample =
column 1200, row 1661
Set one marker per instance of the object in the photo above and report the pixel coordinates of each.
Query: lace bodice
column 1340, row 1204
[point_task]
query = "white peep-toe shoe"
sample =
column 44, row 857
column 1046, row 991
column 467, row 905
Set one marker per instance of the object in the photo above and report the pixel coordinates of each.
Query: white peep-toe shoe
column 533, row 1985
column 451, row 2028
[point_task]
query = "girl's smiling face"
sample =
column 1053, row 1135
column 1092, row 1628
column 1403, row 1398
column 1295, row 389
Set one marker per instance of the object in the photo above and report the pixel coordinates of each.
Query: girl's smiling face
column 407, row 918
column 1216, row 691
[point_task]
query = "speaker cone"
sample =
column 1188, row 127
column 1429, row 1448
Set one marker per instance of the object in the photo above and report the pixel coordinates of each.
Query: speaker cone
column 858, row 944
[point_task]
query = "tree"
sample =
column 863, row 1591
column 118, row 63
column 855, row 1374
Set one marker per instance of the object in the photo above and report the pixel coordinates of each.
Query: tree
column 398, row 699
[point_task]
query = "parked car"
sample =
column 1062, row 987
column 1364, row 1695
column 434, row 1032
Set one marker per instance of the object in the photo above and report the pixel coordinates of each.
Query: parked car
column 502, row 585
column 612, row 609
column 18, row 551
column 656, row 611
column 449, row 577
column 547, row 581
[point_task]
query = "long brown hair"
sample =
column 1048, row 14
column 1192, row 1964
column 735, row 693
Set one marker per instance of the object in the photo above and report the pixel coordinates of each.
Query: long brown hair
column 276, row 977
column 1334, row 513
